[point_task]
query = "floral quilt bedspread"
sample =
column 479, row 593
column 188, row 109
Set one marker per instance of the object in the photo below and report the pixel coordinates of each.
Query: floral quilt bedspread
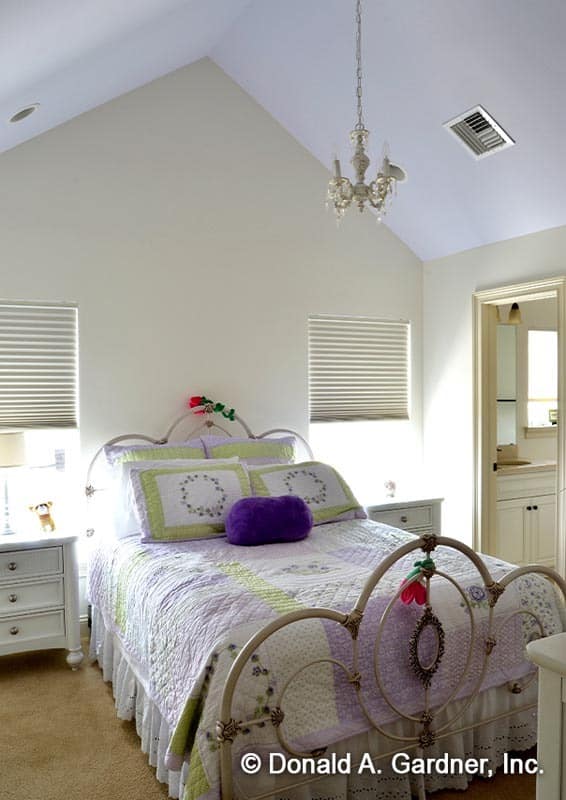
column 184, row 610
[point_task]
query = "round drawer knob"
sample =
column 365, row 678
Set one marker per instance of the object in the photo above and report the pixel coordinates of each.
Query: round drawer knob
column 14, row 631
column 12, row 566
column 404, row 518
column 12, row 598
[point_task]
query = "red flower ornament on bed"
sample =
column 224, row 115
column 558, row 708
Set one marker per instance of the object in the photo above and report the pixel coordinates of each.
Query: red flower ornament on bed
column 415, row 590
column 195, row 402
column 200, row 404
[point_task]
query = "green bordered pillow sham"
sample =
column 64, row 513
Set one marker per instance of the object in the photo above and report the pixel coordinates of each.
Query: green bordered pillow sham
column 125, row 517
column 272, row 450
column 118, row 453
column 321, row 487
column 180, row 504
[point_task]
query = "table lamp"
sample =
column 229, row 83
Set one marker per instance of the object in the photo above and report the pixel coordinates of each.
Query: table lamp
column 12, row 454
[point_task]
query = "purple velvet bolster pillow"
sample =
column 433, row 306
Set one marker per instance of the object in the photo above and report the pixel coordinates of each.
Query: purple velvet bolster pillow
column 265, row 520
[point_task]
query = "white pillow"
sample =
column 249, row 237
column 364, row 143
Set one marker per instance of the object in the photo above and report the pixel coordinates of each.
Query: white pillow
column 124, row 517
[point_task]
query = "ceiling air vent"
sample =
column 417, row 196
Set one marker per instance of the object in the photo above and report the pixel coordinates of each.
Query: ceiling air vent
column 479, row 132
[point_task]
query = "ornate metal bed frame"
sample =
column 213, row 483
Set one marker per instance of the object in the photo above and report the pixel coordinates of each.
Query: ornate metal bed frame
column 426, row 732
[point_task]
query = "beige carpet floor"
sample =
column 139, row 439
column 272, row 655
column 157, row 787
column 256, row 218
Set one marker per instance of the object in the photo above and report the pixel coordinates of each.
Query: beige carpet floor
column 60, row 740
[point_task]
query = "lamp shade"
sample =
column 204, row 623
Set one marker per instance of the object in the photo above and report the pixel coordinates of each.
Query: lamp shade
column 12, row 449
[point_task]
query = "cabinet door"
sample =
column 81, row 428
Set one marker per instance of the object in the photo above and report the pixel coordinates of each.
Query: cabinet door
column 543, row 530
column 511, row 522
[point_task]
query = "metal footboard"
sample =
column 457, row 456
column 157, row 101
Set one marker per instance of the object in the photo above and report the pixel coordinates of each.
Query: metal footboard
column 427, row 728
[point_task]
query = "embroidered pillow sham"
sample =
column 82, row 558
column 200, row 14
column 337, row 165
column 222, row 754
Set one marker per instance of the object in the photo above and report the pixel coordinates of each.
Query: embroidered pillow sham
column 118, row 454
column 124, row 516
column 321, row 487
column 276, row 450
column 179, row 504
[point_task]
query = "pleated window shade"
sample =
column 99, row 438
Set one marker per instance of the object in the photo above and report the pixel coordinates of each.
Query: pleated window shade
column 38, row 366
column 358, row 369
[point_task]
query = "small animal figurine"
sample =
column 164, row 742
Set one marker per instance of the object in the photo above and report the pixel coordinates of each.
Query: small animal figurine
column 43, row 511
column 390, row 488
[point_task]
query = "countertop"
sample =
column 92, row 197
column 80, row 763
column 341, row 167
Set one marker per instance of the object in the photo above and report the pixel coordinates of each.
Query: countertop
column 520, row 469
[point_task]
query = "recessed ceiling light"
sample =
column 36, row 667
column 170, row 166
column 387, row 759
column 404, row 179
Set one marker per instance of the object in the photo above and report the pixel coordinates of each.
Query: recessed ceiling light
column 24, row 112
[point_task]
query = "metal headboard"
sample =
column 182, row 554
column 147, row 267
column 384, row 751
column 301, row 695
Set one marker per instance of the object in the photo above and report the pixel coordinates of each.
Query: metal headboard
column 207, row 424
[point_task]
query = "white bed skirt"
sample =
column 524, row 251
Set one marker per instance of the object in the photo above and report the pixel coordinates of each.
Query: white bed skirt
column 517, row 732
column 132, row 702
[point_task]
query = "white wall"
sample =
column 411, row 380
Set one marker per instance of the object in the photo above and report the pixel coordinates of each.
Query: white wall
column 190, row 228
column 447, row 366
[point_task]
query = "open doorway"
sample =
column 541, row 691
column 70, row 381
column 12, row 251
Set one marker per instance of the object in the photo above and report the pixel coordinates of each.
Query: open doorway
column 519, row 441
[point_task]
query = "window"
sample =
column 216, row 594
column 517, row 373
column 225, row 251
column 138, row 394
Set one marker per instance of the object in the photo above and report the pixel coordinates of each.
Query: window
column 543, row 378
column 358, row 369
column 38, row 366
column 359, row 402
column 39, row 394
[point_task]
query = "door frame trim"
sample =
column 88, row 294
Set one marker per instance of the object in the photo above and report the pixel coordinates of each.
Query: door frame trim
column 484, row 374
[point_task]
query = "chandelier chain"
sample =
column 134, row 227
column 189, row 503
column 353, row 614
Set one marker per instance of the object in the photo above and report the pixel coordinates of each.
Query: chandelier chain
column 360, row 123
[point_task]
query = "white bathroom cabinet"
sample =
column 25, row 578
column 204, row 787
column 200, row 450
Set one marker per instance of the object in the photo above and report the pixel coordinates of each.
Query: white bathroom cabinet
column 526, row 518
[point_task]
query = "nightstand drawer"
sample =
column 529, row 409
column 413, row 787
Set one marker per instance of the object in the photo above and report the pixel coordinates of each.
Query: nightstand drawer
column 21, row 563
column 14, row 630
column 19, row 597
column 405, row 518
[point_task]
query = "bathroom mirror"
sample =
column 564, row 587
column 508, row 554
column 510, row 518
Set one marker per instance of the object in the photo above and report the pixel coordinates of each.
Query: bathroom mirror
column 506, row 384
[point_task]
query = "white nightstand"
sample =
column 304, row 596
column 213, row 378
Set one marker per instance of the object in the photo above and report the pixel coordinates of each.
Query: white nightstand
column 416, row 516
column 39, row 595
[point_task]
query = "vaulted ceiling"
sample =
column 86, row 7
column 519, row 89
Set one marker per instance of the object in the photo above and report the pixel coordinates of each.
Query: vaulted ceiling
column 424, row 63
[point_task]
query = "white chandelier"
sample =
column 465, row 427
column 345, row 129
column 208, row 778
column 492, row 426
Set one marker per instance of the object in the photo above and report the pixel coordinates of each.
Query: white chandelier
column 341, row 192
